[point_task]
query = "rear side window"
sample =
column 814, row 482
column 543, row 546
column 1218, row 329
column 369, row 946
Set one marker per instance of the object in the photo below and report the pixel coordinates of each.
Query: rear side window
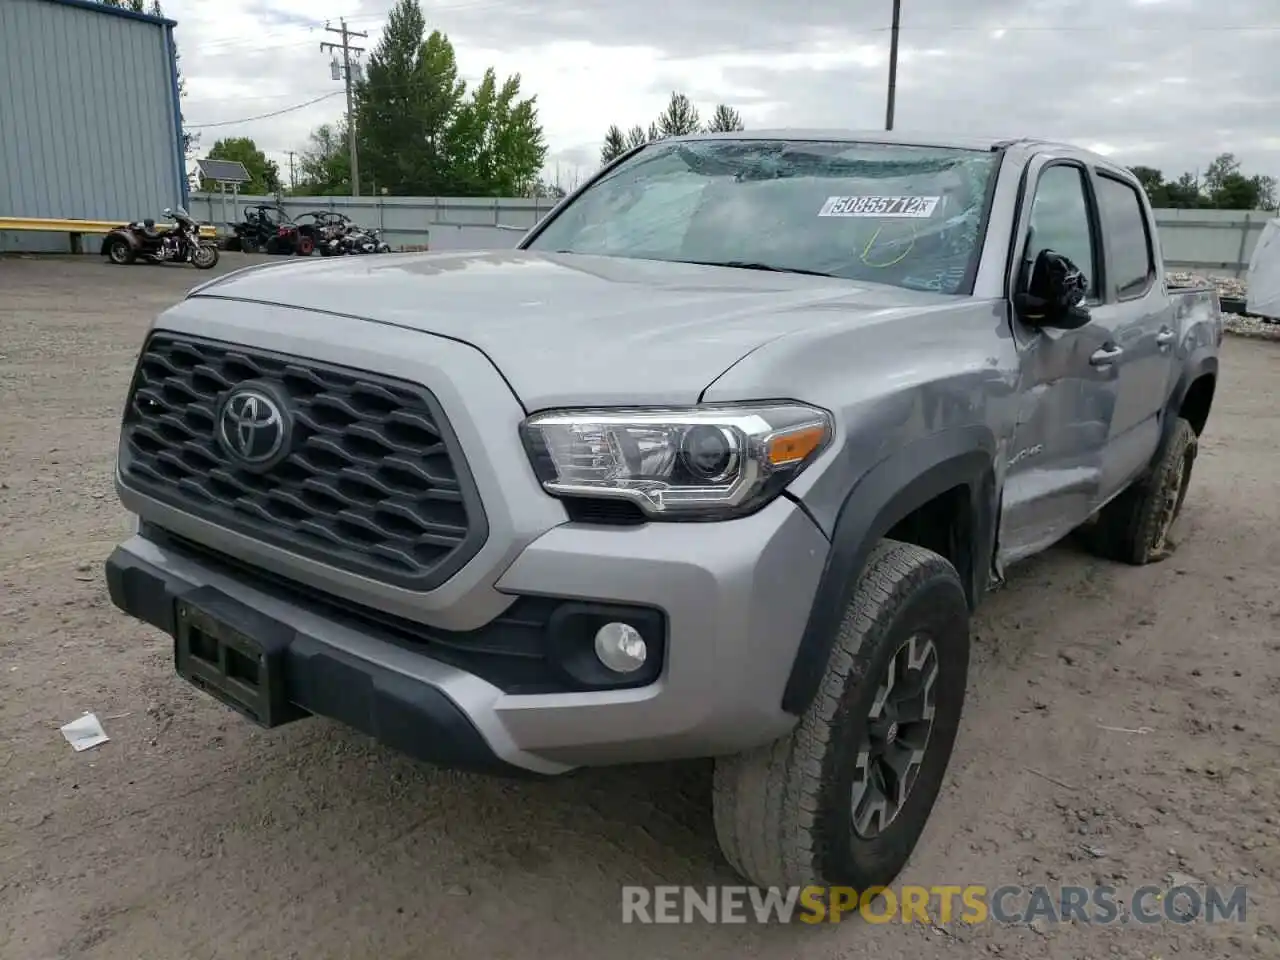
column 1132, row 265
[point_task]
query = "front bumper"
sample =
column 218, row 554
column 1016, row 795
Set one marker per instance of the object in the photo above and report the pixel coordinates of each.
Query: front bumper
column 735, row 596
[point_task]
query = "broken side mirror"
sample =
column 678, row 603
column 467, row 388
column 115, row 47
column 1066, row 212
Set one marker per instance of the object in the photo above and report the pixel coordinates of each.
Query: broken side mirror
column 1053, row 293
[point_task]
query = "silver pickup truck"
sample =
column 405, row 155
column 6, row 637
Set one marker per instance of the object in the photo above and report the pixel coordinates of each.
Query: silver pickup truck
column 718, row 462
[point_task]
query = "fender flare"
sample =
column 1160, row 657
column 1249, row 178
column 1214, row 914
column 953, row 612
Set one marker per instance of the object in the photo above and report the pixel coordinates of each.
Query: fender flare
column 1191, row 372
column 888, row 492
column 129, row 238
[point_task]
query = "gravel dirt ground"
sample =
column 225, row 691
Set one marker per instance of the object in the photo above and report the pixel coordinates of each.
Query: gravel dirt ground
column 1123, row 724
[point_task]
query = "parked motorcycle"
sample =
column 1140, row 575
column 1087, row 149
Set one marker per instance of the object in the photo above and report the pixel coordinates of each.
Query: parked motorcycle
column 354, row 242
column 140, row 240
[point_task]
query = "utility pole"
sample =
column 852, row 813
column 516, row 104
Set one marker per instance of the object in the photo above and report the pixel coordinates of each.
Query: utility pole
column 347, row 50
column 893, row 64
column 293, row 181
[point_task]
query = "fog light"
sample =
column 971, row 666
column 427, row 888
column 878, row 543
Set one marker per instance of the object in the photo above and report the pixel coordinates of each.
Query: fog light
column 620, row 647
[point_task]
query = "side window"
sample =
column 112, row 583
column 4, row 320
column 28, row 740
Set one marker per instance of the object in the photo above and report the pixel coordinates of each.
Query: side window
column 1060, row 219
column 1127, row 236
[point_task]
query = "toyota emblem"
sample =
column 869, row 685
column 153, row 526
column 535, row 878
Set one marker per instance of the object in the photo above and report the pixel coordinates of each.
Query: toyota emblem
column 252, row 427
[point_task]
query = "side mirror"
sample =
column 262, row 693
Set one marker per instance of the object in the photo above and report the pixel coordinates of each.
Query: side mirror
column 1053, row 293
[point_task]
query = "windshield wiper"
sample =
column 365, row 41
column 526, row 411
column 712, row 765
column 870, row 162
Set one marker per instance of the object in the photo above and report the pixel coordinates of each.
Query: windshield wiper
column 752, row 265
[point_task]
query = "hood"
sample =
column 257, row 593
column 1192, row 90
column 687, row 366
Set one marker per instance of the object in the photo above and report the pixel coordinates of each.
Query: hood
column 572, row 329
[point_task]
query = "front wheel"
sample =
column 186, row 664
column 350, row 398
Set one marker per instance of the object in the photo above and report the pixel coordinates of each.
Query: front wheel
column 120, row 251
column 306, row 246
column 204, row 256
column 844, row 798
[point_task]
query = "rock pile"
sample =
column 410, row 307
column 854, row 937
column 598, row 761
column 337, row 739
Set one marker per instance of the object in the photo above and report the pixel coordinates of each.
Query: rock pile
column 1243, row 325
column 1228, row 287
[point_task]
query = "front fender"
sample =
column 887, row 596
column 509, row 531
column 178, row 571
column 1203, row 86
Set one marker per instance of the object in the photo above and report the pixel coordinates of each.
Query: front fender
column 889, row 492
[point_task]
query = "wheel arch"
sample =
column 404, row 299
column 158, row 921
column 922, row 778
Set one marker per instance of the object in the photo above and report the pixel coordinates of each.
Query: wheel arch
column 958, row 464
column 125, row 235
column 1193, row 394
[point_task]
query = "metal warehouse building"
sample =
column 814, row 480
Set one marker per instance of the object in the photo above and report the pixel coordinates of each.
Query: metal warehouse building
column 90, row 126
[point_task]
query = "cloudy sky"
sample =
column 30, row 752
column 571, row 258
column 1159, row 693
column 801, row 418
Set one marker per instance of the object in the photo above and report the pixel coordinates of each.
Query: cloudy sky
column 1167, row 83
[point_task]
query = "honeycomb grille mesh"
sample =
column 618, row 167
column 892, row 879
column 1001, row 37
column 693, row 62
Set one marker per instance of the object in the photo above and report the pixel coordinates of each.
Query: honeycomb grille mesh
column 374, row 481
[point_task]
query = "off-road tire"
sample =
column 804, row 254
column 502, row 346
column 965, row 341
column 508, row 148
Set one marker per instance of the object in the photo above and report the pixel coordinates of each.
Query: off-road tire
column 1134, row 527
column 783, row 812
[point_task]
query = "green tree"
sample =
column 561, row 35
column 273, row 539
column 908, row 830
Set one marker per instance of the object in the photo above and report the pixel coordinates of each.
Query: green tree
column 264, row 175
column 419, row 132
column 1229, row 189
column 725, row 120
column 680, row 118
column 324, row 167
column 615, row 145
column 495, row 144
column 1185, row 193
column 542, row 189
column 1152, row 181
column 1224, row 165
column 405, row 105
column 636, row 136
column 1265, row 192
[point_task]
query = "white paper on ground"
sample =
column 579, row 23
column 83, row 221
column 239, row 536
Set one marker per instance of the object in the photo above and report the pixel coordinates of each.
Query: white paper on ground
column 84, row 732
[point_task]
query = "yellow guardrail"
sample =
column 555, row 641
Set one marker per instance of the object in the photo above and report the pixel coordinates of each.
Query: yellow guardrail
column 40, row 225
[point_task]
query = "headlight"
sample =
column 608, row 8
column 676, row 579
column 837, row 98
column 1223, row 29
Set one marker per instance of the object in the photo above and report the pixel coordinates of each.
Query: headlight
column 703, row 463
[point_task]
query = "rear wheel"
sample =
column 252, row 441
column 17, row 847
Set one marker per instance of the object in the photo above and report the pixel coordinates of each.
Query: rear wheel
column 1134, row 528
column 306, row 245
column 844, row 798
column 120, row 251
column 248, row 245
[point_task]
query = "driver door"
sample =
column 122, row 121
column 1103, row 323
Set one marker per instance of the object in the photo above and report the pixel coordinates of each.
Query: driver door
column 1067, row 394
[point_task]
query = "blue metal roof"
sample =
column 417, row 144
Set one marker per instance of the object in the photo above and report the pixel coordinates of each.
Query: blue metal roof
column 116, row 11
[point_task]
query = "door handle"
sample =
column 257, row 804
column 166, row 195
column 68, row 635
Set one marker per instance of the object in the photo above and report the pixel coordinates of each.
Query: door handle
column 1104, row 356
column 1165, row 337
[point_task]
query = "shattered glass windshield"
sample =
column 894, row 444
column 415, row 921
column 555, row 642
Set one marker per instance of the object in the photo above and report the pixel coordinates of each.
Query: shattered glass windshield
column 903, row 215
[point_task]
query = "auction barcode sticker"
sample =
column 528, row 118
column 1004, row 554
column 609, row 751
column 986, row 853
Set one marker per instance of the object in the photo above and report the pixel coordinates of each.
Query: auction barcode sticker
column 919, row 207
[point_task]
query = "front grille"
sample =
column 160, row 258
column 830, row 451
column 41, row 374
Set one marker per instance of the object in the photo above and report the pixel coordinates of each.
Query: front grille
column 373, row 481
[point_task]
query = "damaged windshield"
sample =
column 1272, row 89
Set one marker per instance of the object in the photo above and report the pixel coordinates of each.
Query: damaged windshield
column 904, row 215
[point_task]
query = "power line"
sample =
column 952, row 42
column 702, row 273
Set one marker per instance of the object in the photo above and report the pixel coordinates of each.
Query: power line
column 262, row 116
